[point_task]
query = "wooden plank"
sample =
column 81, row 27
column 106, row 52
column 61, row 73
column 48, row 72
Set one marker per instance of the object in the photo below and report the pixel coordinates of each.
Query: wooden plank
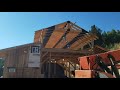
column 28, row 73
column 20, row 46
column 83, row 41
column 61, row 25
column 74, row 40
column 2, row 54
column 16, row 55
column 48, row 34
column 87, row 40
column 23, row 57
column 5, row 71
column 54, row 38
column 62, row 56
column 38, row 34
column 11, row 59
column 37, row 73
column 67, row 39
column 79, row 41
column 26, row 57
column 7, row 59
column 104, row 49
column 77, row 27
column 19, row 72
column 25, row 73
column 44, row 55
column 18, row 59
column 64, row 50
column 81, row 44
column 64, row 35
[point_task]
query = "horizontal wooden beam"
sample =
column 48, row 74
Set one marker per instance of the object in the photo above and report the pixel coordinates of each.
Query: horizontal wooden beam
column 58, row 50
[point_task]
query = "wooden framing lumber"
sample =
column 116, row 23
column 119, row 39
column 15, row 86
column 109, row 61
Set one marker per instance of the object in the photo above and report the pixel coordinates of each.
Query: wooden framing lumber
column 58, row 50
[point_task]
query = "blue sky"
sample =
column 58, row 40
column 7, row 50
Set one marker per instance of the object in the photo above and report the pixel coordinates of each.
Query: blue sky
column 17, row 28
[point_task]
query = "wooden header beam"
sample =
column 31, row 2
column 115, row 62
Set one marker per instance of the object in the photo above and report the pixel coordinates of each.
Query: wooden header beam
column 58, row 50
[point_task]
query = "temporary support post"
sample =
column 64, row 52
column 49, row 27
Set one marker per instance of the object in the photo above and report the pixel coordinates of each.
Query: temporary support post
column 69, row 69
column 74, row 66
column 55, row 68
column 66, row 68
column 49, row 69
column 49, row 73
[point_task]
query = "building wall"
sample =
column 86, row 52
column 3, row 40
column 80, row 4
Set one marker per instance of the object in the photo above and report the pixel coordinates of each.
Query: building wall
column 17, row 63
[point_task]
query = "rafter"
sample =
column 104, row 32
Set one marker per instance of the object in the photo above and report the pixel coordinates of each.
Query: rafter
column 84, row 42
column 64, row 35
column 74, row 39
column 68, row 38
column 48, row 34
column 80, row 41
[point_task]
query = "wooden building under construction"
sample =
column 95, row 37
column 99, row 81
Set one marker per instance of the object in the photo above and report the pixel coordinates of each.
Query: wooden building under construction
column 53, row 54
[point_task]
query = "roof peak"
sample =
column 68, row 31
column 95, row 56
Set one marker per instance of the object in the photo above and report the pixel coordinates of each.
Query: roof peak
column 68, row 21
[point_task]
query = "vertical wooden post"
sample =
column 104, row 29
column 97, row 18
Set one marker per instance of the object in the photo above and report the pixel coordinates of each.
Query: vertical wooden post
column 49, row 68
column 46, row 68
column 49, row 73
column 69, row 69
column 74, row 66
column 65, row 68
column 41, row 60
column 55, row 69
column 74, row 69
column 41, row 53
column 5, row 62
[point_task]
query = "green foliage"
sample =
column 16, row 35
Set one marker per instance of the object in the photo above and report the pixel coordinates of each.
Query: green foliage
column 1, row 65
column 97, row 31
column 109, row 39
column 114, row 46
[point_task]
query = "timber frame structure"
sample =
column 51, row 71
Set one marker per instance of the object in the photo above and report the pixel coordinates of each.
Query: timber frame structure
column 62, row 44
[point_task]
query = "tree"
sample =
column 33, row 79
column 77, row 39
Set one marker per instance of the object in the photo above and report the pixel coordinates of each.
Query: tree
column 1, row 66
column 111, row 37
column 106, row 39
column 98, row 32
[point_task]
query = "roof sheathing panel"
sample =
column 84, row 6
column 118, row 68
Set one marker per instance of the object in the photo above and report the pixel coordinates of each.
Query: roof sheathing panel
column 39, row 35
column 56, row 35
column 67, row 39
column 60, row 29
